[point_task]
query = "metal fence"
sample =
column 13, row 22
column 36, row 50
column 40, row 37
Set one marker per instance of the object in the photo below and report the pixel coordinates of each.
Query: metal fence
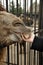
column 22, row 54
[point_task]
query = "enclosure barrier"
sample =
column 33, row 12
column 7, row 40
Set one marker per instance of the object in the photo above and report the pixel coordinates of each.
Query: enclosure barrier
column 21, row 54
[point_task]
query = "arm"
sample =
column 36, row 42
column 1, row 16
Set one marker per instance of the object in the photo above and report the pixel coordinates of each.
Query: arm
column 37, row 44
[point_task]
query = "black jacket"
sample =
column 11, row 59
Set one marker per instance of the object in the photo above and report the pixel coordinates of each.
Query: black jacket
column 37, row 44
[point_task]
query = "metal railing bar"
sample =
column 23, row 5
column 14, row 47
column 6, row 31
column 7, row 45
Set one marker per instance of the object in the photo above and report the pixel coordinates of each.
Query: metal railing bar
column 8, row 54
column 8, row 63
column 17, row 54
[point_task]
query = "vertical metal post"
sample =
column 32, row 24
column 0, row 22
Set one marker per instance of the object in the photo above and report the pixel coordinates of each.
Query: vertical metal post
column 41, row 17
column 24, row 53
column 17, row 6
column 25, row 7
column 21, row 52
column 35, row 28
column 31, row 8
column 8, row 55
column 8, row 46
column 17, row 54
column 35, row 16
column 7, row 5
column 24, row 12
column 20, row 9
column 3, row 3
column 41, row 27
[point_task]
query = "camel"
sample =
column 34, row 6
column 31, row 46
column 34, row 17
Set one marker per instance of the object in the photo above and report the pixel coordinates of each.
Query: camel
column 11, row 30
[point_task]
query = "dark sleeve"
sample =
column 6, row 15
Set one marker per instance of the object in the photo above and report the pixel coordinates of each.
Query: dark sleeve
column 37, row 44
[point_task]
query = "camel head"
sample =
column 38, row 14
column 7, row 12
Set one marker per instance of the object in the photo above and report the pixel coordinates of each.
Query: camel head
column 11, row 28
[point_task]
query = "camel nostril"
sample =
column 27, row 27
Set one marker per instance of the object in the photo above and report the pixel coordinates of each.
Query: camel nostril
column 26, row 36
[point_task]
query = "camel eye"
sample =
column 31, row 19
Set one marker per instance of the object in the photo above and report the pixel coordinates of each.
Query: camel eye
column 17, row 24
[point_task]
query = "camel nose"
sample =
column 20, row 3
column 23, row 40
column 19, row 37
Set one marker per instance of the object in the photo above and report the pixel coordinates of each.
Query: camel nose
column 26, row 36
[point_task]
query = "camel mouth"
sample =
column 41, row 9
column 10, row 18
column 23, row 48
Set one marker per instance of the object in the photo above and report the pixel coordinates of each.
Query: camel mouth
column 13, row 38
column 9, row 40
column 26, row 32
column 12, row 27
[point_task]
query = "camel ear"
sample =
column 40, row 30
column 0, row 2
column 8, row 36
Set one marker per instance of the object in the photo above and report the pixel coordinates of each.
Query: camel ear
column 2, row 8
column 29, row 23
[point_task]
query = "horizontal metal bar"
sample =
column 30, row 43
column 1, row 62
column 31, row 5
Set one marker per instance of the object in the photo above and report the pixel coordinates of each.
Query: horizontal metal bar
column 7, row 63
column 3, row 45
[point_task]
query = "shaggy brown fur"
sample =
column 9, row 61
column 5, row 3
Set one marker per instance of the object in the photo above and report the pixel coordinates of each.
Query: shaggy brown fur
column 11, row 28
